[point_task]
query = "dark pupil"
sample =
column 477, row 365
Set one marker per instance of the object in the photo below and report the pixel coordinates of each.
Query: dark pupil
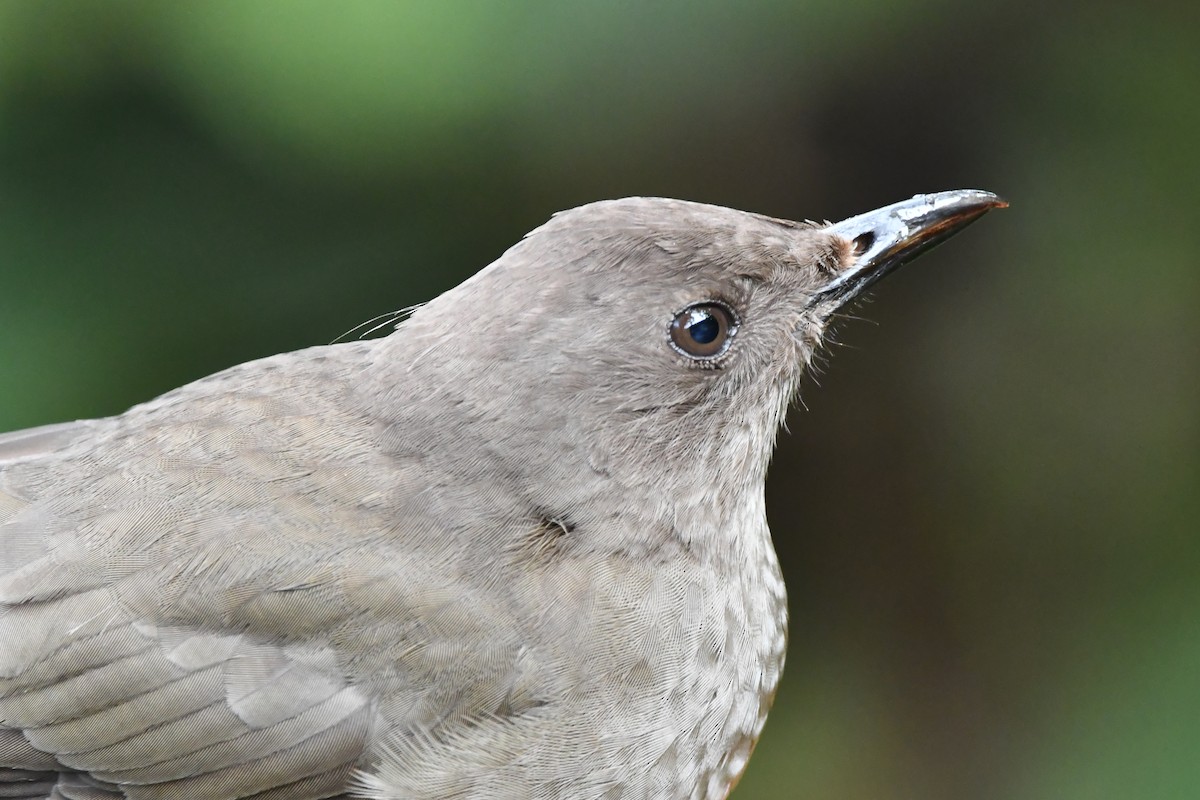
column 705, row 329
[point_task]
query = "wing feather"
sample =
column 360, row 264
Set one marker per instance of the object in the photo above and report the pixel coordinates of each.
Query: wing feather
column 229, row 595
column 122, row 672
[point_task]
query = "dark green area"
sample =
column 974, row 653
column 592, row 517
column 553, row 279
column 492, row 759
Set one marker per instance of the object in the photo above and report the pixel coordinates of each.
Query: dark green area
column 988, row 512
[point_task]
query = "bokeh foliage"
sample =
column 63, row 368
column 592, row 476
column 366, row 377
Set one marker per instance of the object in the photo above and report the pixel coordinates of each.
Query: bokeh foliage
column 989, row 510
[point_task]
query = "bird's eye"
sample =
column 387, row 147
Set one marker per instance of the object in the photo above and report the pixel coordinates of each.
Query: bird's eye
column 703, row 331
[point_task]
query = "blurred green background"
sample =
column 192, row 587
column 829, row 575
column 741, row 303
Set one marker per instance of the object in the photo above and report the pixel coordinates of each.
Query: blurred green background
column 988, row 512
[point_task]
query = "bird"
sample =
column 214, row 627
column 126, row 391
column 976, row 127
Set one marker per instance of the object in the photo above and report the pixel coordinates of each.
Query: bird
column 515, row 548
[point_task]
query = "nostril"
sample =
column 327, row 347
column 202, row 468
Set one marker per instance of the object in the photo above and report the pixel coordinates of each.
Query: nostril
column 862, row 243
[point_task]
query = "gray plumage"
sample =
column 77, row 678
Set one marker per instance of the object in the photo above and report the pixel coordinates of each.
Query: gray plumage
column 516, row 549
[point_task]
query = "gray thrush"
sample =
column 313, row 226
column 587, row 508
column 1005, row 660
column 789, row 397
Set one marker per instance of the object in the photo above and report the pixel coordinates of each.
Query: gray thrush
column 515, row 549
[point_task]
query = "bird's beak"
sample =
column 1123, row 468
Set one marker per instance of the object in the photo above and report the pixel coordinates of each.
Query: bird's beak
column 893, row 235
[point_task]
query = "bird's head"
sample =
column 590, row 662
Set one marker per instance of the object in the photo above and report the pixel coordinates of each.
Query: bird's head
column 662, row 338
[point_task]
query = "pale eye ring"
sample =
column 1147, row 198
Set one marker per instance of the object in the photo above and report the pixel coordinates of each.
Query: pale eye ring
column 703, row 331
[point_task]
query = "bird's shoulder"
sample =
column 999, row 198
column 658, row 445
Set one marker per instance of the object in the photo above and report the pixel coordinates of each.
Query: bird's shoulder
column 236, row 572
